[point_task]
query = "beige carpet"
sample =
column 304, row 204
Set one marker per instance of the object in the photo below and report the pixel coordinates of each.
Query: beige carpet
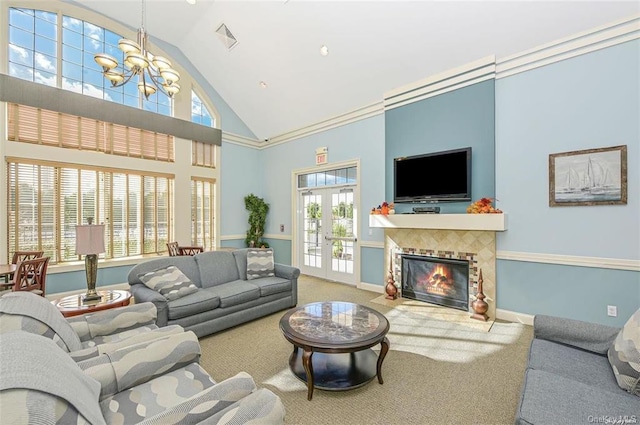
column 437, row 371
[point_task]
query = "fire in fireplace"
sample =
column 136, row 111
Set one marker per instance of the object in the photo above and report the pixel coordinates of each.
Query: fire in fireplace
column 442, row 281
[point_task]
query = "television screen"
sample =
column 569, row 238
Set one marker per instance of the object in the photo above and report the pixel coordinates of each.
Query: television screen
column 433, row 177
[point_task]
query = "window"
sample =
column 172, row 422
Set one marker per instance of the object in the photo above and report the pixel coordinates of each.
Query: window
column 34, row 125
column 33, row 56
column 202, row 154
column 202, row 212
column 336, row 177
column 47, row 200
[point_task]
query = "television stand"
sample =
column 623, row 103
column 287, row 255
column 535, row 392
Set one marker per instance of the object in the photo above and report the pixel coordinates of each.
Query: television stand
column 426, row 210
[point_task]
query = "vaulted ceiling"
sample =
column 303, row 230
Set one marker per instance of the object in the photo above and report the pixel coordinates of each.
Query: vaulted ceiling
column 374, row 46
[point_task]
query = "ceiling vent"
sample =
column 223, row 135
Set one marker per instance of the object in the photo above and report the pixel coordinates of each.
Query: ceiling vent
column 227, row 38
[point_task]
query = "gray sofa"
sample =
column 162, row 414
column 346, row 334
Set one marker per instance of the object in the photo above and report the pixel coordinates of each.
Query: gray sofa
column 569, row 379
column 225, row 297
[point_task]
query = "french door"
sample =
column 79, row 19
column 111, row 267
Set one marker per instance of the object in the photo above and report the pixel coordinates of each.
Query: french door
column 327, row 239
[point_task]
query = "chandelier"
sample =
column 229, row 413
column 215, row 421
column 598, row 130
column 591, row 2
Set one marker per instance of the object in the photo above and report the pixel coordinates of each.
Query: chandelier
column 154, row 72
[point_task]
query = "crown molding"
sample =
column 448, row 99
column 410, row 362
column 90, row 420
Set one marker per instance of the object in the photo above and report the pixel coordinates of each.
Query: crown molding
column 578, row 44
column 453, row 79
column 358, row 114
column 237, row 139
column 571, row 260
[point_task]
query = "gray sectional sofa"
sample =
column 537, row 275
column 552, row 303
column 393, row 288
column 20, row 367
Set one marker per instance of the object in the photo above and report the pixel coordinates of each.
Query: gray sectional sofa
column 569, row 378
column 224, row 297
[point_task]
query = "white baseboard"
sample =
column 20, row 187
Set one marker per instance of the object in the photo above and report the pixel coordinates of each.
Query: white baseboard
column 58, row 295
column 514, row 316
column 370, row 287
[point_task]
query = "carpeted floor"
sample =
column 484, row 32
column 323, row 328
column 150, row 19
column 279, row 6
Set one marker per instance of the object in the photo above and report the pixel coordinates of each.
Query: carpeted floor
column 436, row 372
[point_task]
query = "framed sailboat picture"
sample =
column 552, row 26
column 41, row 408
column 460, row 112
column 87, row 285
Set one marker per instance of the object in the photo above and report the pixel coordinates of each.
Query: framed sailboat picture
column 588, row 177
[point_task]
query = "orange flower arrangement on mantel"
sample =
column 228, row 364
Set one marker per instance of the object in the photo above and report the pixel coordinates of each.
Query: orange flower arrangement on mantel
column 385, row 208
column 483, row 206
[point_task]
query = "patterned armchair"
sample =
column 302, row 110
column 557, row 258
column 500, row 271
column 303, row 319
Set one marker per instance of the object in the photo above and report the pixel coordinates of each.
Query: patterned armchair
column 157, row 382
column 84, row 336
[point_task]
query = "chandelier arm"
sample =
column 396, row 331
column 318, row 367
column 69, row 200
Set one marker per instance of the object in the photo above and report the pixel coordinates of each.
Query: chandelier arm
column 157, row 83
column 125, row 81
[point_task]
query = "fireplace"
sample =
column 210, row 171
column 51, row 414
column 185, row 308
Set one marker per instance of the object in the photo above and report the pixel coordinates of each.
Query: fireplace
column 443, row 281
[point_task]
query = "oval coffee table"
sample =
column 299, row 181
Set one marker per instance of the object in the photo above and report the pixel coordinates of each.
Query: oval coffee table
column 74, row 305
column 338, row 336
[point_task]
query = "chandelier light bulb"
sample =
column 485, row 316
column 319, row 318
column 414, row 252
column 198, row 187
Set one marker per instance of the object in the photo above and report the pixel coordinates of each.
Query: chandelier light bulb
column 146, row 89
column 128, row 46
column 136, row 59
column 106, row 61
column 161, row 62
column 170, row 75
column 114, row 76
column 171, row 89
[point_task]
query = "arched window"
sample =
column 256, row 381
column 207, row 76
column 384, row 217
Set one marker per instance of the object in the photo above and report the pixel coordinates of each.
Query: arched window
column 33, row 47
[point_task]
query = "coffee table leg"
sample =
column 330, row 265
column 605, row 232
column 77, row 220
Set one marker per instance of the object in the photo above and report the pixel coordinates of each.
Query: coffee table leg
column 384, row 348
column 308, row 368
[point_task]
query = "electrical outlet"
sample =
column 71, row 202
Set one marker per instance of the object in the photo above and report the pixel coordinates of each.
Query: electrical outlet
column 370, row 232
column 282, row 227
column 612, row 310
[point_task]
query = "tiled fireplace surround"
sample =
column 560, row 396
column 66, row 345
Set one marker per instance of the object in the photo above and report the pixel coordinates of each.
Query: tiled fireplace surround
column 477, row 247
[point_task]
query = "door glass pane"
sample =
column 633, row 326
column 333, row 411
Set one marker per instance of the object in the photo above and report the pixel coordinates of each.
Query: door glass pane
column 312, row 230
column 342, row 250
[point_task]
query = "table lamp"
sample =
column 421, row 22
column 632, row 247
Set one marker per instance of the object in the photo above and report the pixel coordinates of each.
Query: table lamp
column 90, row 242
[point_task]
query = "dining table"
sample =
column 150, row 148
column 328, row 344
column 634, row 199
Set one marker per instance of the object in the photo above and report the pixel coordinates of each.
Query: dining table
column 6, row 270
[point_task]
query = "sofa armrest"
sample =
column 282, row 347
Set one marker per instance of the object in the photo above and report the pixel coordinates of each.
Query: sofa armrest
column 286, row 272
column 587, row 336
column 116, row 320
column 142, row 294
column 110, row 347
column 130, row 366
column 206, row 403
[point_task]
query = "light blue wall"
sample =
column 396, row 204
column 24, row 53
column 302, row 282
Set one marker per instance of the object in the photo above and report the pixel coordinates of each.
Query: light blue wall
column 589, row 101
column 580, row 293
column 241, row 173
column 457, row 119
column 363, row 140
column 375, row 272
column 71, row 281
column 281, row 250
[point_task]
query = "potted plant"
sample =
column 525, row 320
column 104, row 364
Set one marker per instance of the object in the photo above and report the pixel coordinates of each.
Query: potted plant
column 258, row 210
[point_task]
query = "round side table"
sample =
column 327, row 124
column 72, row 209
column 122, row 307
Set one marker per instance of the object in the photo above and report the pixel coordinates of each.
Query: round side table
column 73, row 305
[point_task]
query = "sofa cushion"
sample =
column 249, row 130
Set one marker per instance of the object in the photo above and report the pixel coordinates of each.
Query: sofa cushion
column 169, row 281
column 234, row 293
column 272, row 285
column 260, row 263
column 216, row 267
column 547, row 398
column 198, row 302
column 624, row 355
column 572, row 363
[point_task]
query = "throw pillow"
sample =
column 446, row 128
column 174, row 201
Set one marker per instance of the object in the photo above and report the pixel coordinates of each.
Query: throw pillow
column 169, row 282
column 624, row 355
column 260, row 263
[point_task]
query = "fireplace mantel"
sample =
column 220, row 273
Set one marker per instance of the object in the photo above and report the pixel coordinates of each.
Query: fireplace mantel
column 482, row 222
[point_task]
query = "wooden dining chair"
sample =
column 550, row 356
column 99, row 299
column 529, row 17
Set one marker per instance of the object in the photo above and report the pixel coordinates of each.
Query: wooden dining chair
column 20, row 256
column 31, row 275
column 191, row 250
column 174, row 249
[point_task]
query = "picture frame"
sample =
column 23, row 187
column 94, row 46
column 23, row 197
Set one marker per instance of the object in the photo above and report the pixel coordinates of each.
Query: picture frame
column 588, row 177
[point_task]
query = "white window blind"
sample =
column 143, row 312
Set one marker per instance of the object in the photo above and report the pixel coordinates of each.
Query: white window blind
column 203, row 212
column 46, row 200
column 34, row 125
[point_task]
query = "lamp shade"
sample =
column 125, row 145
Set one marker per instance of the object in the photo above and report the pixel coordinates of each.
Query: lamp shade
column 90, row 239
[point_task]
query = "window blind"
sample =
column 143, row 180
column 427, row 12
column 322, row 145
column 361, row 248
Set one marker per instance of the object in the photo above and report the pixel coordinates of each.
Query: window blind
column 203, row 154
column 203, row 212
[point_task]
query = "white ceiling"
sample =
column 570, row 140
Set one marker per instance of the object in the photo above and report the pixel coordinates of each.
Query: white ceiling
column 374, row 46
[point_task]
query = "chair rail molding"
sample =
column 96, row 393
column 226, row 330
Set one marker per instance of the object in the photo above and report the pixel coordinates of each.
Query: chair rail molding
column 571, row 260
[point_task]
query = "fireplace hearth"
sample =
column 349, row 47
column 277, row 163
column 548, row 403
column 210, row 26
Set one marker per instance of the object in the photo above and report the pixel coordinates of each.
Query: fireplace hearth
column 442, row 281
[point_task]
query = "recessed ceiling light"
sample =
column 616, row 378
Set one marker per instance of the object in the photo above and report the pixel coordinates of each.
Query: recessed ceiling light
column 324, row 50
column 191, row 1
column 263, row 84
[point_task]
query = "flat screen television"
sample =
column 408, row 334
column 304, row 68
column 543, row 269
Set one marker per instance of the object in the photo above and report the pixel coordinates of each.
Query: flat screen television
column 433, row 177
